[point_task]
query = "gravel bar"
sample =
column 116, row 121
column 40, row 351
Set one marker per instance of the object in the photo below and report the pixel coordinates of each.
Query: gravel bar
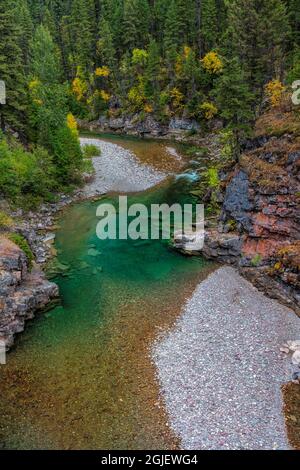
column 220, row 369
column 118, row 170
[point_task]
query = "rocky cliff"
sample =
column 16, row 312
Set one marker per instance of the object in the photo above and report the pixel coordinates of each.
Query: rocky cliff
column 22, row 292
column 259, row 224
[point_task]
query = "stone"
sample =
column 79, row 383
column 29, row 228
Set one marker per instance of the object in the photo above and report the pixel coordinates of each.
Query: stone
column 177, row 124
column 236, row 202
column 294, row 345
column 21, row 292
column 296, row 358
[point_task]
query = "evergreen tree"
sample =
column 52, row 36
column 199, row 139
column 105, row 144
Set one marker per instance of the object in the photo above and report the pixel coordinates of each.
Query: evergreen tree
column 45, row 65
column 209, row 25
column 136, row 22
column 259, row 30
column 152, row 70
column 25, row 24
column 11, row 68
column 106, row 53
column 235, row 102
column 81, row 32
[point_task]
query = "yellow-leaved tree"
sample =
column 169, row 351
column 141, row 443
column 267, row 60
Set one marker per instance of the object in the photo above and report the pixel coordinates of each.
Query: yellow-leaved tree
column 212, row 63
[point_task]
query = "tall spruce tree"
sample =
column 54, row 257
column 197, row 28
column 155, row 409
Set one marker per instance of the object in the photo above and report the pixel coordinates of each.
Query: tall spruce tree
column 136, row 23
column 81, row 32
column 259, row 30
column 25, row 24
column 209, row 25
column 235, row 102
column 11, row 68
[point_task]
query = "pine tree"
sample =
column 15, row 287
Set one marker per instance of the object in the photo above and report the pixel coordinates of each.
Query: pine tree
column 152, row 70
column 259, row 30
column 25, row 24
column 45, row 65
column 235, row 102
column 209, row 25
column 178, row 26
column 11, row 68
column 136, row 23
column 81, row 32
column 106, row 53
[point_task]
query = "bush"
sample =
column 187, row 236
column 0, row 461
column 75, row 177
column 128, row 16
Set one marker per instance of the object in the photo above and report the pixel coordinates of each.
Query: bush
column 26, row 175
column 90, row 151
column 22, row 243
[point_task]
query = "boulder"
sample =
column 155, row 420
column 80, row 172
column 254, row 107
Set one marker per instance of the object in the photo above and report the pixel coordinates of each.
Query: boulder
column 180, row 124
column 22, row 293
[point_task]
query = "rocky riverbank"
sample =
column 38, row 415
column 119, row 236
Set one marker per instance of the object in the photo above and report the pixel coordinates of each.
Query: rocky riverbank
column 180, row 129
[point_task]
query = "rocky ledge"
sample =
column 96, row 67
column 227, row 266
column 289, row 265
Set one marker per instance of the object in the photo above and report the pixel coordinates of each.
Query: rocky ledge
column 22, row 292
column 178, row 128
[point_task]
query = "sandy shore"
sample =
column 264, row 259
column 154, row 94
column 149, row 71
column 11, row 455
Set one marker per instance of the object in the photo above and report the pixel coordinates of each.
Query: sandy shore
column 221, row 369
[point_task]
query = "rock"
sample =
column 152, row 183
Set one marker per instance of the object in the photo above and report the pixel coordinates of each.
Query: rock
column 284, row 350
column 116, row 123
column 296, row 358
column 296, row 376
column 177, row 124
column 236, row 202
column 294, row 345
column 93, row 252
column 21, row 292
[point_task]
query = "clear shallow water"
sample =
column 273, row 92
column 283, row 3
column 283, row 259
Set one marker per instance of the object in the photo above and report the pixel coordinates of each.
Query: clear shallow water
column 80, row 376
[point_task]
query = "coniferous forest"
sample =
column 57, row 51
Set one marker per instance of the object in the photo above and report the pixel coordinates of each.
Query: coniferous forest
column 199, row 59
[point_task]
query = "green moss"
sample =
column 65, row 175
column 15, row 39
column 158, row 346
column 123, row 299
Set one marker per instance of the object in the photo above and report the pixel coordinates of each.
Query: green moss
column 22, row 243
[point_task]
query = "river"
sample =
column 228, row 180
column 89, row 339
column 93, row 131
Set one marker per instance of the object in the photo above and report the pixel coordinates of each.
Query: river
column 81, row 376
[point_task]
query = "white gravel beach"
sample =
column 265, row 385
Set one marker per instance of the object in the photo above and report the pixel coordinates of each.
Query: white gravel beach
column 220, row 368
column 119, row 170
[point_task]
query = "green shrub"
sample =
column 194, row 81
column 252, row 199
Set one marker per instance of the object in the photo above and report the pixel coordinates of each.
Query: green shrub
column 26, row 177
column 88, row 167
column 90, row 151
column 22, row 243
column 211, row 176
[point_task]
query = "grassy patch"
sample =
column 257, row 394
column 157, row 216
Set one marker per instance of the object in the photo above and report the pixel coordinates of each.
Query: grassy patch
column 22, row 243
column 90, row 151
